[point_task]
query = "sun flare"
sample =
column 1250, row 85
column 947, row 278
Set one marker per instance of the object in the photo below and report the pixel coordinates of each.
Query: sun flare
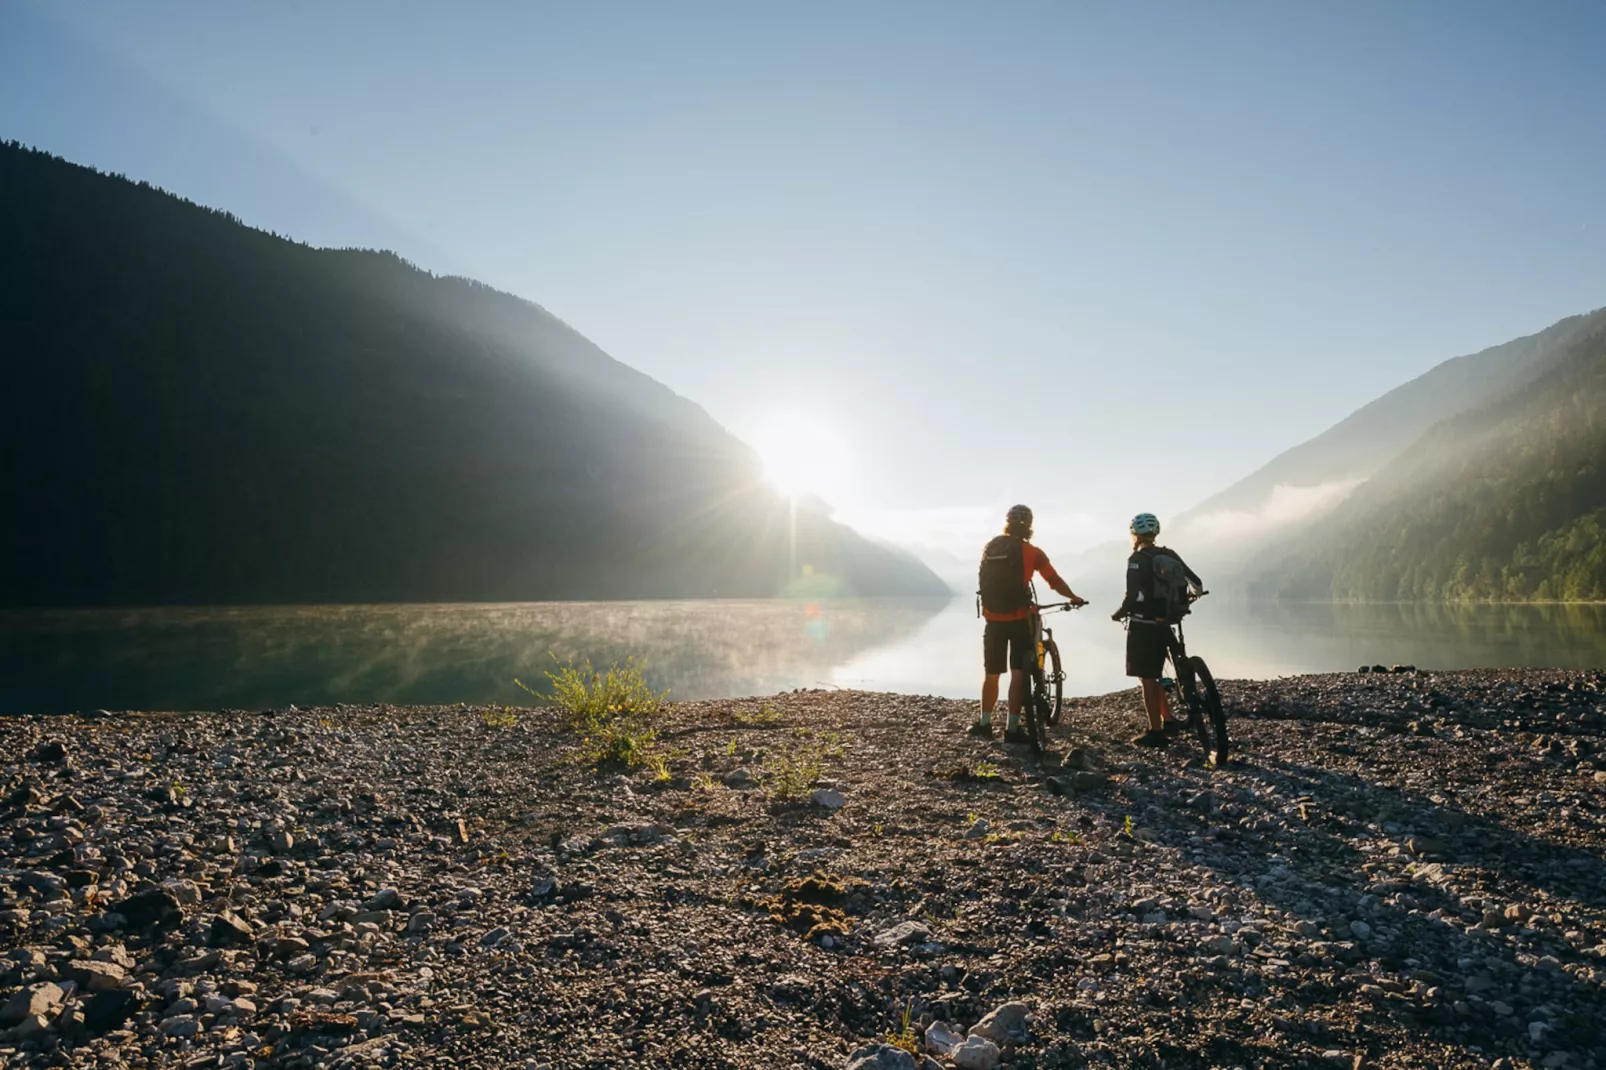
column 802, row 456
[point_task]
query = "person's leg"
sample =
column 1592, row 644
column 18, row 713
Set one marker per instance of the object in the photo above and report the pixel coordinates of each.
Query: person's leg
column 989, row 697
column 994, row 656
column 1022, row 648
column 1154, row 703
column 1017, row 695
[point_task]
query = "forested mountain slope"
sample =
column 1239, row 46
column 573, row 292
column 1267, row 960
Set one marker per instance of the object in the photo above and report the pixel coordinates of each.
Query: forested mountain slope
column 196, row 411
column 1372, row 436
column 1506, row 500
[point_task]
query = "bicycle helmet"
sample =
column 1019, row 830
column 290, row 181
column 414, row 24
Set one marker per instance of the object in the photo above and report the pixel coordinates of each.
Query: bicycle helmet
column 1145, row 524
column 1019, row 513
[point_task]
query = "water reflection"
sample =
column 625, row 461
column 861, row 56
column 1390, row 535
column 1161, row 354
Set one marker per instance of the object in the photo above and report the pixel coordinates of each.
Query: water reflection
column 257, row 657
column 252, row 657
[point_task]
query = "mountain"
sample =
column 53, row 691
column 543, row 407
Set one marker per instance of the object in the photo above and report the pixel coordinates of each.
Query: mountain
column 1364, row 442
column 1503, row 500
column 197, row 411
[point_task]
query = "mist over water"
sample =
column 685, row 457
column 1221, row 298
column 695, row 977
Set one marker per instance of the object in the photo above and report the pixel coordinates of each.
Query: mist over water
column 260, row 657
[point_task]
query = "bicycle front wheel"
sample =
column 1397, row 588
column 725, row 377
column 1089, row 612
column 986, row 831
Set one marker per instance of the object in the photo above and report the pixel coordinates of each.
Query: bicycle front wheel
column 1213, row 709
column 1054, row 680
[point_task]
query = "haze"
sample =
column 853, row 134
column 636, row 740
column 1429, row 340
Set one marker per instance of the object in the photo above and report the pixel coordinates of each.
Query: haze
column 1095, row 257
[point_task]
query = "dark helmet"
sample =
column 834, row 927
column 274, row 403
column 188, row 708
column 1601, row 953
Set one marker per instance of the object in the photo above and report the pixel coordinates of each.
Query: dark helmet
column 1018, row 521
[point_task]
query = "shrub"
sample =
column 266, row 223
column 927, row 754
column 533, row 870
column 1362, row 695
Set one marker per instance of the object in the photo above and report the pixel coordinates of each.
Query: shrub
column 613, row 712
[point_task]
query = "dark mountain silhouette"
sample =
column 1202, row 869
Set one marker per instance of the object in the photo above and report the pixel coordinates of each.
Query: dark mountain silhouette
column 196, row 411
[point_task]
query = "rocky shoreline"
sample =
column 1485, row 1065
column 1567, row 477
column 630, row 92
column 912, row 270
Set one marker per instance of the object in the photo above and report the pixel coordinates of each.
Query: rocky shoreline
column 1400, row 869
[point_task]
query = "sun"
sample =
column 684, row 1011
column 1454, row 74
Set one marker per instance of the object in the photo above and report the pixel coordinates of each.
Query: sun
column 801, row 456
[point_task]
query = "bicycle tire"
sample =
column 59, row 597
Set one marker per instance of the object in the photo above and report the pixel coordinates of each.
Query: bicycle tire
column 1189, row 690
column 1222, row 750
column 1055, row 681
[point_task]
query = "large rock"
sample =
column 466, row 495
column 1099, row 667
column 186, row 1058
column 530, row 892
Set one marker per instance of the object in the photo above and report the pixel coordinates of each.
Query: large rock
column 109, row 1010
column 1004, row 1025
column 231, row 930
column 881, row 1057
column 96, row 976
column 902, row 934
column 43, row 999
column 156, row 908
column 976, row 1053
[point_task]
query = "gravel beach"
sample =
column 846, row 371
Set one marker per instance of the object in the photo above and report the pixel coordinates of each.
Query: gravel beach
column 1398, row 869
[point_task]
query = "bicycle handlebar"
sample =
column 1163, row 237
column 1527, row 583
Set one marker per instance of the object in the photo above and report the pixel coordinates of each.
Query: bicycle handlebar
column 1055, row 606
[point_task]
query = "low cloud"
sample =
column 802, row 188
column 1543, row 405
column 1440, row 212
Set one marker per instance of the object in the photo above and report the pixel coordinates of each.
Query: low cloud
column 1284, row 507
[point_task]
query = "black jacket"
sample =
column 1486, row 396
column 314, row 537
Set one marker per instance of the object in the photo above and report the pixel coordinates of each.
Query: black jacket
column 1141, row 602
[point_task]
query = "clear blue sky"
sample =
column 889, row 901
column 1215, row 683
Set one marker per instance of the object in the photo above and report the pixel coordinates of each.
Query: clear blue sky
column 993, row 249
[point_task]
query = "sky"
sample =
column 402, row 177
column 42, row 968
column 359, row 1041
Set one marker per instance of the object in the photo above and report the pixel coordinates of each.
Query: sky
column 933, row 257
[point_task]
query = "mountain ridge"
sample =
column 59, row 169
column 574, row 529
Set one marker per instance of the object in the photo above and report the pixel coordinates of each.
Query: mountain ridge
column 201, row 411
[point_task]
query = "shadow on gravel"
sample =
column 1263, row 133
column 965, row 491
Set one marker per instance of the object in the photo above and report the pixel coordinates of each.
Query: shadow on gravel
column 1408, row 936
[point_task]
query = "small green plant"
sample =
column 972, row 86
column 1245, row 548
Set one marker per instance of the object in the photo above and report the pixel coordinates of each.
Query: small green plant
column 792, row 775
column 703, row 782
column 612, row 712
column 730, row 748
column 985, row 771
column 499, row 717
column 765, row 715
column 658, row 762
column 1061, row 836
column 1126, row 827
column 905, row 1038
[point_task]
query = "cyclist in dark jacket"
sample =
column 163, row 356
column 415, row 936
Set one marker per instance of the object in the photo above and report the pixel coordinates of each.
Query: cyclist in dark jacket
column 1148, row 637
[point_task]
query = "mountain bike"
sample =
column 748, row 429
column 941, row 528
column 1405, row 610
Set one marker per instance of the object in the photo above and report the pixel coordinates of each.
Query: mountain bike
column 1194, row 690
column 1042, row 708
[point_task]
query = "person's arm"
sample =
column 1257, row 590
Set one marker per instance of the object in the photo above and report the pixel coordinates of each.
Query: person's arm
column 1139, row 575
column 1060, row 587
column 1193, row 577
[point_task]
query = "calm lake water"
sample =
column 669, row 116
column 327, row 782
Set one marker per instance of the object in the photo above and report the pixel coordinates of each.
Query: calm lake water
column 256, row 657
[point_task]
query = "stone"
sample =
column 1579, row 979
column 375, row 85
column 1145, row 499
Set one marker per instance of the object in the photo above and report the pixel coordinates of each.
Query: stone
column 978, row 829
column 901, row 935
column 941, row 1039
column 96, row 976
column 284, row 841
column 44, row 999
column 110, row 1009
column 740, row 778
column 494, row 937
column 1006, row 1024
column 828, row 799
column 180, row 1025
column 976, row 1053
column 52, row 752
column 156, row 908
column 385, row 900
column 1360, row 929
column 188, row 893
column 881, row 1057
column 231, row 930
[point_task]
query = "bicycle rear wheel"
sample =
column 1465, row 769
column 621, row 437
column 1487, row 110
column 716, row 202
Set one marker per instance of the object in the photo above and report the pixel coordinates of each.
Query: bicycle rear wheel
column 1221, row 751
column 1054, row 679
column 1189, row 690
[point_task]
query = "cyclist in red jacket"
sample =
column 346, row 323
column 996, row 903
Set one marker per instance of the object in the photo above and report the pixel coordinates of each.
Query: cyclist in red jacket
column 1007, row 566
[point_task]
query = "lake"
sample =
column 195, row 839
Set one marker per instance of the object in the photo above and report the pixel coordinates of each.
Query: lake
column 258, row 657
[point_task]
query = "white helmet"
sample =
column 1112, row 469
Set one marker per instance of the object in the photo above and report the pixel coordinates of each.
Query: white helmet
column 1145, row 524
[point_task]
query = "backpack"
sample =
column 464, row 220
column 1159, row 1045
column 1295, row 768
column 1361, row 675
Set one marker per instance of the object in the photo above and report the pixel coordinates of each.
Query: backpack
column 1171, row 585
column 1001, row 582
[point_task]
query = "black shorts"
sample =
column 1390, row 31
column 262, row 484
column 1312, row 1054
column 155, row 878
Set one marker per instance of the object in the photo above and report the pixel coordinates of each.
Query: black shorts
column 1008, row 643
column 1146, row 646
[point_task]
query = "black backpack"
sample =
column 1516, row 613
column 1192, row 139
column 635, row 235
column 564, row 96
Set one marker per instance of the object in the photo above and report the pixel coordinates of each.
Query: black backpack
column 1172, row 588
column 1001, row 583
